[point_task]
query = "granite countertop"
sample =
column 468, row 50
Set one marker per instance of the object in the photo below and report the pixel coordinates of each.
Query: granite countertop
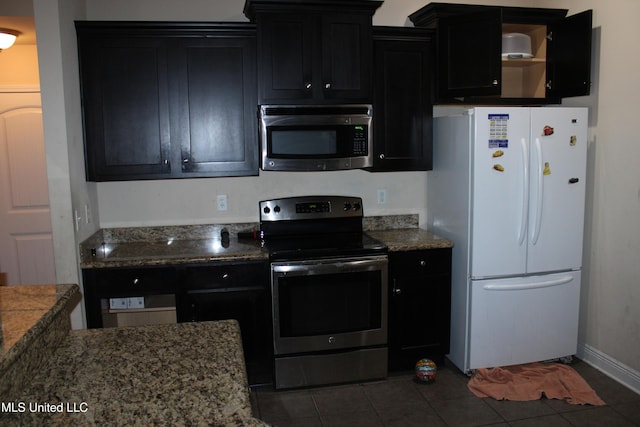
column 179, row 374
column 410, row 239
column 170, row 245
column 25, row 312
column 133, row 254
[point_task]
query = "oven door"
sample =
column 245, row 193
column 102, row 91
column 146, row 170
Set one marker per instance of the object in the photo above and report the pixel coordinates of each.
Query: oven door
column 329, row 304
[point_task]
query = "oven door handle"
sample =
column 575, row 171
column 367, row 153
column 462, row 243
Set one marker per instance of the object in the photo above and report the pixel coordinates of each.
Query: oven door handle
column 330, row 266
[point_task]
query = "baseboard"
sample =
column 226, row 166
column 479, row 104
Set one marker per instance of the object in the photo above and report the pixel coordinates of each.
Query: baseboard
column 610, row 367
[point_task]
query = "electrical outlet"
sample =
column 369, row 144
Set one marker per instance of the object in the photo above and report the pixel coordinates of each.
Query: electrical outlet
column 221, row 202
column 117, row 303
column 135, row 302
column 382, row 196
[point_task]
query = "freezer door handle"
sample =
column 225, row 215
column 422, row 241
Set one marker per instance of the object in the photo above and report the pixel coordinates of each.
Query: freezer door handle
column 525, row 192
column 539, row 196
column 524, row 286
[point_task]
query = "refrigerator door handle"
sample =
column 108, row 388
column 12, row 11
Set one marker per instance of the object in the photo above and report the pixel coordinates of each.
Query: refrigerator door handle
column 525, row 192
column 539, row 196
column 525, row 286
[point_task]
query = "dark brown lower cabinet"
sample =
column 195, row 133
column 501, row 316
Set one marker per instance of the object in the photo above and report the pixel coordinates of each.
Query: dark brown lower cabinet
column 190, row 293
column 419, row 306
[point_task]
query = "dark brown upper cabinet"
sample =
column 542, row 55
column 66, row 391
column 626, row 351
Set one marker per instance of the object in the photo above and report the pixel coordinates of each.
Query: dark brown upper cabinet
column 402, row 102
column 471, row 67
column 168, row 100
column 313, row 52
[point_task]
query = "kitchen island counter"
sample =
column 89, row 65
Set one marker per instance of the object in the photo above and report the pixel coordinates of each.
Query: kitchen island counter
column 34, row 321
column 186, row 373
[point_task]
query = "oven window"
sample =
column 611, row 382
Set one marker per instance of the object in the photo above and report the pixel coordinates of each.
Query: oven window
column 310, row 142
column 329, row 304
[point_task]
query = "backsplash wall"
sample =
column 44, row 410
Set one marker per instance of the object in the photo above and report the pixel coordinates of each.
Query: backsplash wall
column 193, row 201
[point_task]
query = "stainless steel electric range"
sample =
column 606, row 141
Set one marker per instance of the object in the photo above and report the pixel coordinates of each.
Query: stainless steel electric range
column 329, row 291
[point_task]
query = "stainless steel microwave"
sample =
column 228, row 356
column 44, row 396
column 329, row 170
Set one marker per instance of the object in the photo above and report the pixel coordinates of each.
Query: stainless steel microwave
column 313, row 138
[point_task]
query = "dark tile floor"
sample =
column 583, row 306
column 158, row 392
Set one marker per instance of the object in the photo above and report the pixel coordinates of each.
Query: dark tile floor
column 400, row 401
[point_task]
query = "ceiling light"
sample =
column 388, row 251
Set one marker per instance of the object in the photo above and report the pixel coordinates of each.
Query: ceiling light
column 7, row 38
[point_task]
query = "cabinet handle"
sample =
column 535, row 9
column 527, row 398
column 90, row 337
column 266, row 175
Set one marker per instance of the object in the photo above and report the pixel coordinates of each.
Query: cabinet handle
column 395, row 290
column 307, row 86
column 423, row 263
column 495, row 82
column 185, row 160
column 548, row 85
column 166, row 162
column 225, row 276
column 381, row 156
column 327, row 85
column 135, row 281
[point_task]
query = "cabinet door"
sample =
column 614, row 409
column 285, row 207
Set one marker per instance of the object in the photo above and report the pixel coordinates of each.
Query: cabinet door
column 402, row 105
column 233, row 291
column 569, row 64
column 469, row 55
column 346, row 57
column 314, row 58
column 419, row 307
column 125, row 106
column 285, row 57
column 214, row 106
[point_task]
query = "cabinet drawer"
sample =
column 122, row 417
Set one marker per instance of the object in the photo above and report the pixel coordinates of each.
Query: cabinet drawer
column 124, row 282
column 431, row 261
column 247, row 274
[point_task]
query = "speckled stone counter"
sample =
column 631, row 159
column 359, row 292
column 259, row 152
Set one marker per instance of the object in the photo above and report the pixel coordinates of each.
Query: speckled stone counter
column 35, row 320
column 180, row 374
column 409, row 239
column 170, row 245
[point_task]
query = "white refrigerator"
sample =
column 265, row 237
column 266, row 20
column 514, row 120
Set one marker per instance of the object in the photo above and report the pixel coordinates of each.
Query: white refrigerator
column 508, row 188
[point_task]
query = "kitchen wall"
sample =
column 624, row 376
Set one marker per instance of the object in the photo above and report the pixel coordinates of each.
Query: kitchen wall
column 610, row 307
column 124, row 204
column 19, row 66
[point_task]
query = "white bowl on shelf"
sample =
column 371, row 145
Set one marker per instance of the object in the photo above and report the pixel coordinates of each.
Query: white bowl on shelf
column 516, row 46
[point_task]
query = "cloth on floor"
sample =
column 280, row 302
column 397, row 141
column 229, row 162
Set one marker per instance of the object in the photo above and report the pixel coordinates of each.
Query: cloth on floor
column 533, row 380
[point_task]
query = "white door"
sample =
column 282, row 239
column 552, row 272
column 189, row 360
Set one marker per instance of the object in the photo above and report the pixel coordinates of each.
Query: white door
column 499, row 204
column 557, row 200
column 523, row 320
column 26, row 247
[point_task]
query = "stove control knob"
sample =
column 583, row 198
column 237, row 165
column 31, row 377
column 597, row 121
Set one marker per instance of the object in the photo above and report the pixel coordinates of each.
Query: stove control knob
column 346, row 206
column 356, row 206
column 276, row 209
column 331, row 340
column 266, row 210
